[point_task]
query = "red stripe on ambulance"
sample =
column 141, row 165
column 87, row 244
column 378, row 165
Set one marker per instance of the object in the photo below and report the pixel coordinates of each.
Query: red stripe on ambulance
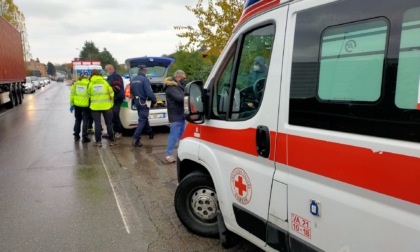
column 381, row 172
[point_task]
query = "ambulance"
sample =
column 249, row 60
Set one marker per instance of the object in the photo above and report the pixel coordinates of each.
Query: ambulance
column 306, row 135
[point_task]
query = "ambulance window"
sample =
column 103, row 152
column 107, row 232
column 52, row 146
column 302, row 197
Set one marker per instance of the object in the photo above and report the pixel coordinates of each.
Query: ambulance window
column 351, row 61
column 221, row 99
column 408, row 78
column 247, row 80
column 252, row 72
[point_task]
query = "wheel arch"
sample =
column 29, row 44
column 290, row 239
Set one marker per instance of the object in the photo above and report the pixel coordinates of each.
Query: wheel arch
column 188, row 166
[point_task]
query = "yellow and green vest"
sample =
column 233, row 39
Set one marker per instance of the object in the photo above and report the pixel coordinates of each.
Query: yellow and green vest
column 100, row 93
column 79, row 96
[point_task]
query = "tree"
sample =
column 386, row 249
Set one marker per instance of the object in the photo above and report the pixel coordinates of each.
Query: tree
column 51, row 69
column 215, row 25
column 89, row 52
column 10, row 12
column 106, row 58
column 193, row 64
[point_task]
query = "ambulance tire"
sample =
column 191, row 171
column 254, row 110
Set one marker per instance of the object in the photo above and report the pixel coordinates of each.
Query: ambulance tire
column 196, row 204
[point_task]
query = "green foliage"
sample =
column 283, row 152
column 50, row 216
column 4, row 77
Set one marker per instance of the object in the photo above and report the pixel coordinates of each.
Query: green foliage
column 106, row 58
column 91, row 52
column 215, row 25
column 10, row 12
column 193, row 64
column 51, row 69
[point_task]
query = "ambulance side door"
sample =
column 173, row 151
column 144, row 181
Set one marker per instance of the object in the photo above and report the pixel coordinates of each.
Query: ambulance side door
column 239, row 139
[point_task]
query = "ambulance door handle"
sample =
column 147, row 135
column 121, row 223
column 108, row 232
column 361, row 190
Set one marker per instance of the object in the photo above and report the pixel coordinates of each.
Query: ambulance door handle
column 263, row 141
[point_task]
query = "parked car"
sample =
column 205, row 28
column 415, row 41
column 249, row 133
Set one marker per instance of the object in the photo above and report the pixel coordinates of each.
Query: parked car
column 29, row 86
column 157, row 69
column 60, row 79
column 41, row 82
column 35, row 82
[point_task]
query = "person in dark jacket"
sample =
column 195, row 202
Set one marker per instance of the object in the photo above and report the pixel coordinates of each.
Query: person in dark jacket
column 117, row 84
column 141, row 91
column 174, row 90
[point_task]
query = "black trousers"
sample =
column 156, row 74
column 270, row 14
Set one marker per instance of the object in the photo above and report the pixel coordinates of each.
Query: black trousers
column 82, row 115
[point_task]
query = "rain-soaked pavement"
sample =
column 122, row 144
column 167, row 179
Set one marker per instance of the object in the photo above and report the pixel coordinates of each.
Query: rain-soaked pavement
column 61, row 195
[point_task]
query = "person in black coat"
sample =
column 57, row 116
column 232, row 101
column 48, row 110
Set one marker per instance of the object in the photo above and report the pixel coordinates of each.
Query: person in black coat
column 174, row 90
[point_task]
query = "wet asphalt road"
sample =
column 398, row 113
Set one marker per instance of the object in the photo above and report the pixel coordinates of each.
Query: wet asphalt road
column 61, row 195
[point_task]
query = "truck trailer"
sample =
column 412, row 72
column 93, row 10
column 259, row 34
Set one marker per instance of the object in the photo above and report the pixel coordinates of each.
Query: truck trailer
column 12, row 66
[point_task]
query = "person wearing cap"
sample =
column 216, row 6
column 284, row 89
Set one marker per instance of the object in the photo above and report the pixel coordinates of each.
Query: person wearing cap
column 79, row 102
column 117, row 84
column 258, row 70
column 101, row 97
column 141, row 91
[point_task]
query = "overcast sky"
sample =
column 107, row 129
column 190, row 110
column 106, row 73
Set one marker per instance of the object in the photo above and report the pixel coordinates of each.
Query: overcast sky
column 126, row 28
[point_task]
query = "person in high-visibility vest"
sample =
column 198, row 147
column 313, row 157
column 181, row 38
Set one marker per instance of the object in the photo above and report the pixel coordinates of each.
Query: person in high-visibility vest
column 79, row 102
column 101, row 101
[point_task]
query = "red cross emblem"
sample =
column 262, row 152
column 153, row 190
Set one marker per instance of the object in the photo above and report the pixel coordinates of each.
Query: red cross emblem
column 240, row 185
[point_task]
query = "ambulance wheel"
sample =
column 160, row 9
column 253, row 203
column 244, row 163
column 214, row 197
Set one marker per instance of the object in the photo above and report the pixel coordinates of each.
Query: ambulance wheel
column 196, row 204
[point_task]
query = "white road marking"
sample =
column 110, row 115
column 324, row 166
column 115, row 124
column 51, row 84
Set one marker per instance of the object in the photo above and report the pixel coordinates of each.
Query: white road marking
column 127, row 228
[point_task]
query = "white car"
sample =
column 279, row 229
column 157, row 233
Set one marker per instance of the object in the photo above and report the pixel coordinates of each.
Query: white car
column 157, row 69
column 35, row 82
column 29, row 87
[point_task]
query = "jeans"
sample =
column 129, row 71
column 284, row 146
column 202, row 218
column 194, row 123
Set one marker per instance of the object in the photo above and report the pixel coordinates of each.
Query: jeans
column 116, row 121
column 82, row 115
column 175, row 134
column 96, row 115
column 143, row 112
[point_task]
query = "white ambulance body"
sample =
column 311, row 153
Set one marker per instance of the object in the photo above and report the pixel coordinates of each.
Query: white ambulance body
column 321, row 152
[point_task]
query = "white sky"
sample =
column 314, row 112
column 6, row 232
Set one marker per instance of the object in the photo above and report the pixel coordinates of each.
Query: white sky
column 126, row 28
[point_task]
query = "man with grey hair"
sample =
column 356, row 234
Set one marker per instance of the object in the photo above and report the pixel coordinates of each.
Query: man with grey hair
column 174, row 90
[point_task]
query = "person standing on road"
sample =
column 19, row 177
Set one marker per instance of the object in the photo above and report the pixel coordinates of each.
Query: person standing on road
column 79, row 102
column 174, row 90
column 141, row 91
column 101, row 97
column 117, row 84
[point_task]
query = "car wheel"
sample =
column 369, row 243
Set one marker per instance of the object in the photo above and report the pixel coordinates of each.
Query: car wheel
column 196, row 204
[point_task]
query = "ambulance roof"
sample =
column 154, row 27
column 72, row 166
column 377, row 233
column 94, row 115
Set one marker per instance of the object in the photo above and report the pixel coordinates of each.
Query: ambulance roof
column 254, row 7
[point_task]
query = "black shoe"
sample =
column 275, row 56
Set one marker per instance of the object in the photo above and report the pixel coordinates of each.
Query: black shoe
column 76, row 138
column 85, row 140
column 151, row 136
column 136, row 143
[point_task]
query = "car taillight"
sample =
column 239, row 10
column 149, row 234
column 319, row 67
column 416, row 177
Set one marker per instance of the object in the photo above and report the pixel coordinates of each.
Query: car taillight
column 127, row 91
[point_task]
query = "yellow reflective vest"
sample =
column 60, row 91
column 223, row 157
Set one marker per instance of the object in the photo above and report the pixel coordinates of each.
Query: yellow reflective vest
column 100, row 93
column 79, row 96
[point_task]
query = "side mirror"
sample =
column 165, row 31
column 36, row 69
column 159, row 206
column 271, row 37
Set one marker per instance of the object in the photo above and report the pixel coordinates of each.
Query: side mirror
column 193, row 102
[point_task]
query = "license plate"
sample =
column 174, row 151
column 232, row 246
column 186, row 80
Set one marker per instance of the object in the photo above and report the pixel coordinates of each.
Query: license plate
column 155, row 116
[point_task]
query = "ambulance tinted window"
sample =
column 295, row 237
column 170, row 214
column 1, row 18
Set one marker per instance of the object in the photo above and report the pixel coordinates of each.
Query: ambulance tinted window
column 358, row 71
column 352, row 60
column 408, row 78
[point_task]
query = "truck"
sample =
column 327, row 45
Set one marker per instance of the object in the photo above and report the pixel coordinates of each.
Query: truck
column 85, row 65
column 320, row 152
column 12, row 66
